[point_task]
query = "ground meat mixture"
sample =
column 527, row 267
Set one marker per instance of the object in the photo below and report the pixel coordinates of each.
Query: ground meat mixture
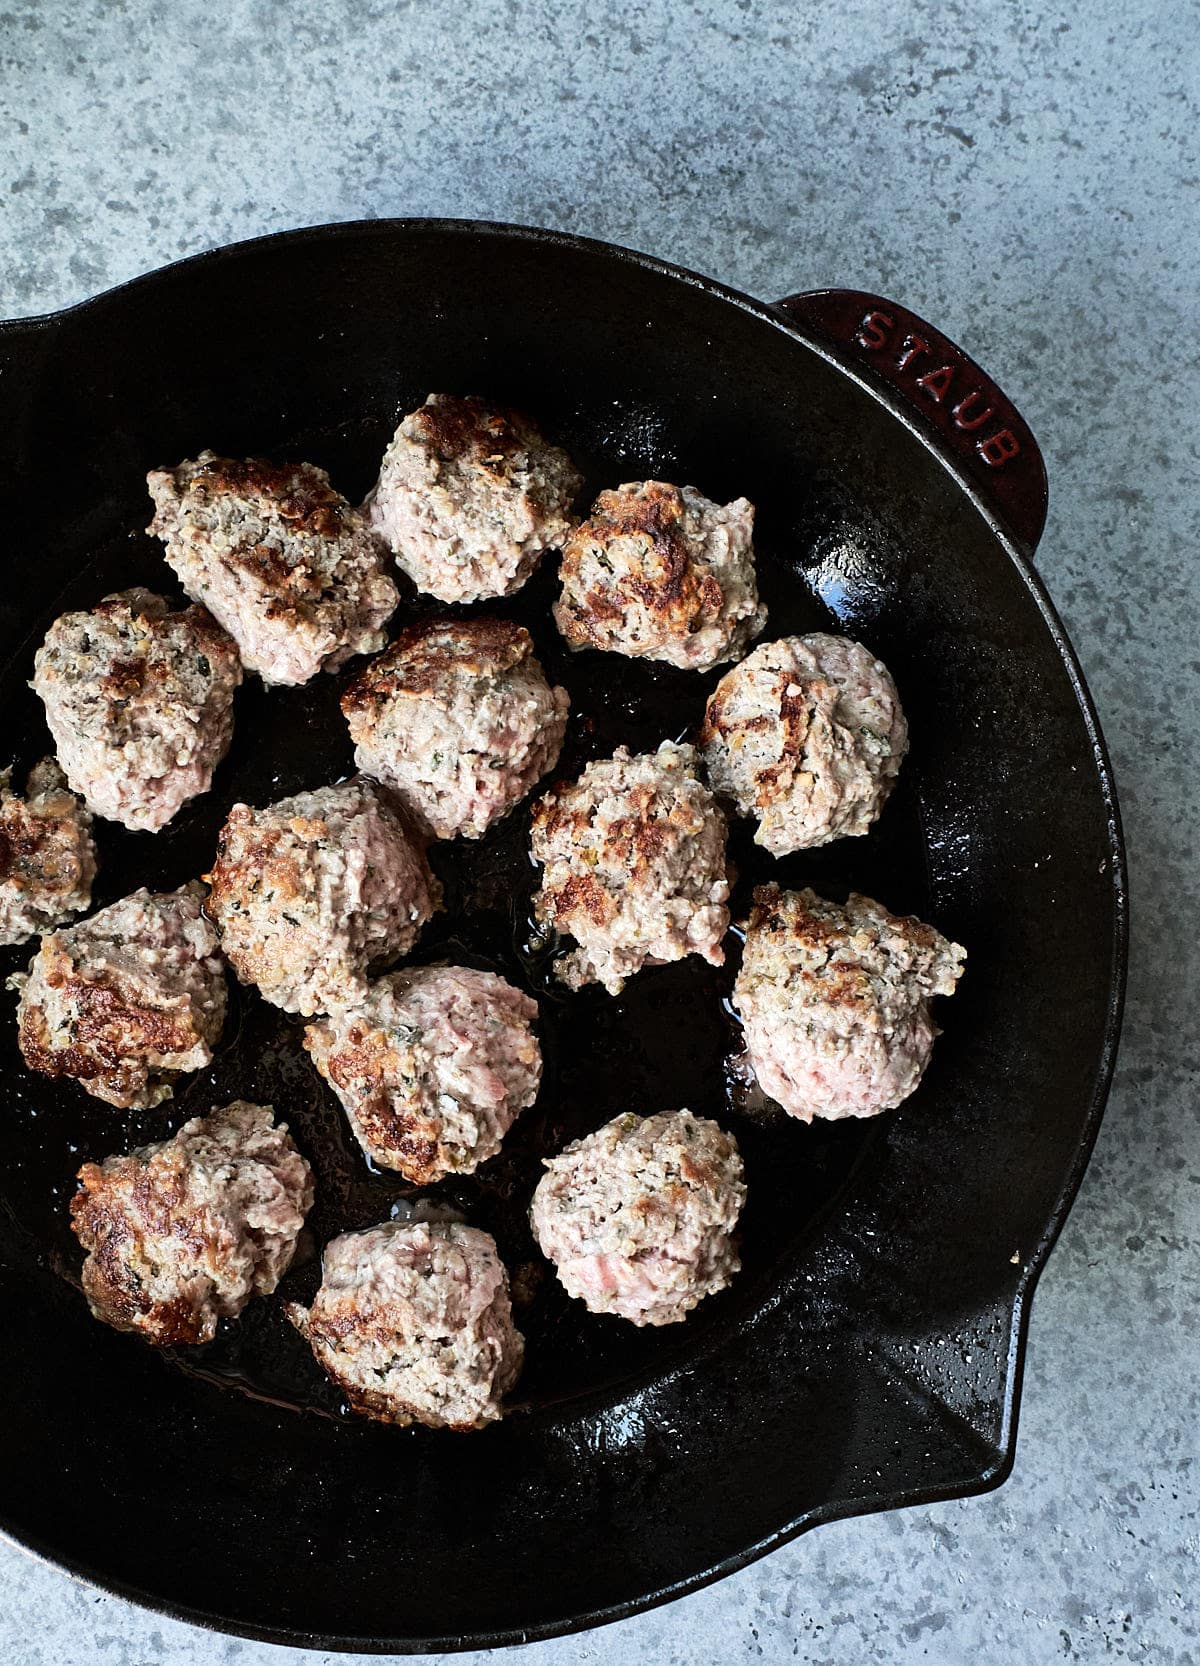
column 638, row 1218
column 835, row 1001
column 468, row 497
column 660, row 572
column 47, row 857
column 279, row 558
column 139, row 700
column 807, row 736
column 308, row 893
column 182, row 1234
column 634, row 866
column 127, row 1000
column 413, row 1324
column 433, row 1068
column 458, row 718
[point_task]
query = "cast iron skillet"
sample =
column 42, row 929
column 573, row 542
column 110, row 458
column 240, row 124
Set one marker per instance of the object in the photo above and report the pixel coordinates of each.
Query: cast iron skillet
column 869, row 1356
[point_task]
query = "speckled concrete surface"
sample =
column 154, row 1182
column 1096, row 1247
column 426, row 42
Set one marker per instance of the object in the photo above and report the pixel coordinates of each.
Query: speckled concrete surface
column 1023, row 174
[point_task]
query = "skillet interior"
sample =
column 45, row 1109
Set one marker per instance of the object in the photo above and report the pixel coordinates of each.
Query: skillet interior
column 865, row 1355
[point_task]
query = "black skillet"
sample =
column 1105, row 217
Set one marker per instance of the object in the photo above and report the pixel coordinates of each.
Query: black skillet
column 869, row 1355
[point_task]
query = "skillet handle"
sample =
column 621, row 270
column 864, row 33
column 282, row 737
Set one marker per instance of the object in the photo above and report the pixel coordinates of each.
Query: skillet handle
column 977, row 429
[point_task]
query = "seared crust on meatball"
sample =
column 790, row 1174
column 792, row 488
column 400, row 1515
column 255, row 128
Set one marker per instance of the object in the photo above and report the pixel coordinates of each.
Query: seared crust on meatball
column 468, row 497
column 807, row 736
column 139, row 700
column 638, row 1217
column 661, row 572
column 835, row 1001
column 182, row 1234
column 458, row 719
column 278, row 557
column 634, row 866
column 413, row 1324
column 309, row 892
column 127, row 1000
column 47, row 857
column 432, row 1068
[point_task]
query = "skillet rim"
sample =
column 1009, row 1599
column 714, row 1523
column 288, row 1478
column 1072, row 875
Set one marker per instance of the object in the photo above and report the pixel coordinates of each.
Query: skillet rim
column 994, row 1474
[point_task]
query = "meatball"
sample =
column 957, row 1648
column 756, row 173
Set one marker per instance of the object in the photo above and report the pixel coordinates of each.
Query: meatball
column 634, row 866
column 806, row 735
column 835, row 1001
column 127, row 1000
column 413, row 1324
column 638, row 1218
column 47, row 857
column 458, row 718
column 660, row 572
column 279, row 558
column 433, row 1068
column 468, row 497
column 181, row 1234
column 309, row 892
column 139, row 700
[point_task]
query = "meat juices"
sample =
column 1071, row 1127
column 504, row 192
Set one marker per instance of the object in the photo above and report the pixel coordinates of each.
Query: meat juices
column 469, row 496
column 432, row 1068
column 807, row 736
column 414, row 1325
column 835, row 1001
column 633, row 855
column 309, row 892
column 278, row 557
column 638, row 1217
column 183, row 1234
column 457, row 717
column 126, row 1001
column 139, row 700
column 661, row 572
column 47, row 857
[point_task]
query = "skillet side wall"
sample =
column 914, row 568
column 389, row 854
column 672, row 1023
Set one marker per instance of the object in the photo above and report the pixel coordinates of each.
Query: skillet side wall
column 874, row 1364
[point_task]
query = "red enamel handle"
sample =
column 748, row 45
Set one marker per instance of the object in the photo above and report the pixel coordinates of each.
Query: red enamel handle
column 976, row 426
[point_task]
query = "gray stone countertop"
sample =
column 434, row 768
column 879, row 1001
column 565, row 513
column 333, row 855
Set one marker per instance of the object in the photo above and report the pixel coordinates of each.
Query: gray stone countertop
column 1023, row 175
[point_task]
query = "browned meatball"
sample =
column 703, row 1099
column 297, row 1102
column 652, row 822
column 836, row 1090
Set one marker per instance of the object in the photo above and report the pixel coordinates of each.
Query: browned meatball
column 139, row 699
column 127, row 1000
column 806, row 735
column 468, row 497
column 182, row 1234
column 835, row 1001
column 634, row 868
column 661, row 572
column 309, row 892
column 432, row 1067
column 278, row 557
column 413, row 1323
column 47, row 856
column 458, row 719
column 638, row 1218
